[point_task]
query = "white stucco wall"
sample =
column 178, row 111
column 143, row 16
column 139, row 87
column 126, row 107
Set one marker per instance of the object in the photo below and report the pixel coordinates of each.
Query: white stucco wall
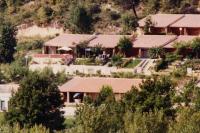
column 5, row 97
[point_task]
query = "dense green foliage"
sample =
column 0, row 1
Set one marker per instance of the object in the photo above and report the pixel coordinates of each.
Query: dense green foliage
column 124, row 45
column 156, row 52
column 7, row 42
column 80, row 20
column 37, row 101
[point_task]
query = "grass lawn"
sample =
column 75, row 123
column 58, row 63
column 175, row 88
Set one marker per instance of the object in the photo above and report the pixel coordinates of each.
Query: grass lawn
column 87, row 61
column 132, row 63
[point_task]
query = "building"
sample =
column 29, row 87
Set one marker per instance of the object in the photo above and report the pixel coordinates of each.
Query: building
column 178, row 24
column 6, row 91
column 107, row 42
column 91, row 86
column 143, row 43
column 161, row 22
column 187, row 25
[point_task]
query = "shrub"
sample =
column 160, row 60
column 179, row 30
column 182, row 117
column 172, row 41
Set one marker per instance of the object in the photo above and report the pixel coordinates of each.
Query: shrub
column 172, row 57
column 116, row 60
column 180, row 72
column 114, row 15
column 161, row 64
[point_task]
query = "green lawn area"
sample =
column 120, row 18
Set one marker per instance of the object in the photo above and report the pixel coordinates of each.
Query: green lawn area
column 132, row 63
column 87, row 61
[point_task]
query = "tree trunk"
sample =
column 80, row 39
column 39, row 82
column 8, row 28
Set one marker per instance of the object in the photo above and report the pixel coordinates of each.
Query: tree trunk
column 133, row 8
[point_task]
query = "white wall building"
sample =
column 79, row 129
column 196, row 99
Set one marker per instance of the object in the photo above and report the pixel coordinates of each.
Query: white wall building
column 6, row 91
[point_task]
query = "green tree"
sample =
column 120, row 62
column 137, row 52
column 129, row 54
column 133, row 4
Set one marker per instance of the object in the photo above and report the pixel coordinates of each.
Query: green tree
column 125, row 45
column 148, row 24
column 156, row 52
column 106, row 95
column 189, row 96
column 105, row 117
column 195, row 46
column 130, row 23
column 44, row 14
column 154, row 94
column 37, row 101
column 181, row 48
column 151, row 122
column 188, row 121
column 7, row 42
column 80, row 20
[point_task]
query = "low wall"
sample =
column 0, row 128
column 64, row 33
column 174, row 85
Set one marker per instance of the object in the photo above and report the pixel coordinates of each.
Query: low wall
column 72, row 69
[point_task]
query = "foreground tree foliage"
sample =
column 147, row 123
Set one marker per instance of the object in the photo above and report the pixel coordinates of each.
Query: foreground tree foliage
column 152, row 122
column 7, row 41
column 188, row 121
column 102, row 115
column 155, row 94
column 37, row 101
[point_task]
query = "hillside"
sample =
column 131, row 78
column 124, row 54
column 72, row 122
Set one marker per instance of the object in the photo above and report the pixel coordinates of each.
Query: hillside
column 107, row 16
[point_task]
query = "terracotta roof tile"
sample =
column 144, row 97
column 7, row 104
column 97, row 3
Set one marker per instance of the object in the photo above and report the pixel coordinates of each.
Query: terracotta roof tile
column 180, row 38
column 69, row 40
column 107, row 41
column 189, row 21
column 149, row 41
column 162, row 20
column 94, row 84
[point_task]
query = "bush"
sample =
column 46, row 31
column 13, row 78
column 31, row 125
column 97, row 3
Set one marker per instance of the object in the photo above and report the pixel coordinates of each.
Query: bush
column 172, row 57
column 14, row 72
column 114, row 15
column 116, row 60
column 17, row 129
column 161, row 64
column 180, row 72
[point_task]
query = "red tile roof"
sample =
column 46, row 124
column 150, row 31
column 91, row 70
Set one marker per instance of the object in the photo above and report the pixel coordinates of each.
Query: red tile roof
column 189, row 21
column 107, row 41
column 162, row 20
column 180, row 38
column 94, row 84
column 149, row 41
column 69, row 40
